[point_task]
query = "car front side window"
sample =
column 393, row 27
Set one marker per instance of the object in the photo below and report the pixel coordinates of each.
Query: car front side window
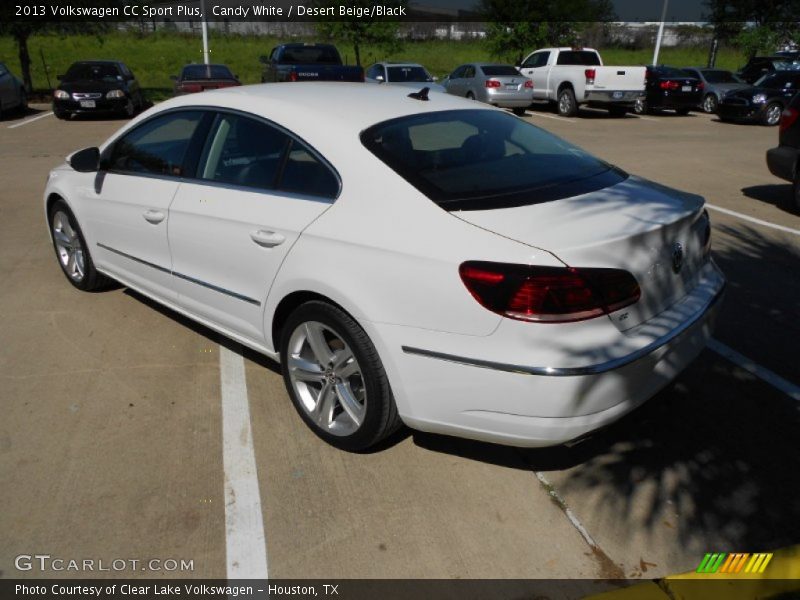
column 158, row 146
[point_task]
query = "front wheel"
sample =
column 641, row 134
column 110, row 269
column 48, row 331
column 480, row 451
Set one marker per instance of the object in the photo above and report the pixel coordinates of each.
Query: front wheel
column 567, row 106
column 335, row 378
column 71, row 250
column 772, row 114
column 61, row 114
column 710, row 103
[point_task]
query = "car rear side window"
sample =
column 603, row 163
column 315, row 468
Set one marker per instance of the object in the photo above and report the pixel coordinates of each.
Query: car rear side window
column 251, row 153
column 158, row 146
column 578, row 57
column 484, row 159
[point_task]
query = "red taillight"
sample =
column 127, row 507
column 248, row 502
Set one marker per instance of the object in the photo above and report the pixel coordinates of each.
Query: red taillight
column 293, row 76
column 548, row 294
column 191, row 88
column 590, row 73
column 788, row 117
column 669, row 85
column 529, row 85
column 700, row 85
column 492, row 83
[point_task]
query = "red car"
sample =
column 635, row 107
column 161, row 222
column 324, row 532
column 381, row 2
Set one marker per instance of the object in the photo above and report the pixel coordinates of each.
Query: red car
column 198, row 78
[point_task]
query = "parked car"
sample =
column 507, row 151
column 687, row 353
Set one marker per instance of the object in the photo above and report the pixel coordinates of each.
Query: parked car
column 307, row 62
column 495, row 84
column 198, row 78
column 544, row 293
column 763, row 102
column 671, row 89
column 783, row 160
column 575, row 76
column 410, row 75
column 97, row 87
column 758, row 66
column 12, row 92
column 716, row 83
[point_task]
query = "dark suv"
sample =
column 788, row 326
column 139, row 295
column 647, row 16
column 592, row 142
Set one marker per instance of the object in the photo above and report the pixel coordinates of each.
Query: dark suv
column 758, row 66
column 783, row 159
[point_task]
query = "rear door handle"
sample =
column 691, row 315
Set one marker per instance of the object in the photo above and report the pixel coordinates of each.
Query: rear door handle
column 268, row 239
column 154, row 216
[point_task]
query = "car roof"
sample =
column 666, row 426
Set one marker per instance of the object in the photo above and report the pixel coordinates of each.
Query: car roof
column 399, row 64
column 205, row 65
column 305, row 107
column 97, row 62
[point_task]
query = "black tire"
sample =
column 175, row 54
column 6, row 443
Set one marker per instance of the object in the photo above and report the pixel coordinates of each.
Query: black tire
column 710, row 103
column 520, row 112
column 682, row 111
column 617, row 111
column 23, row 102
column 791, row 203
column 470, row 96
column 61, row 114
column 380, row 418
column 772, row 114
column 90, row 279
column 567, row 105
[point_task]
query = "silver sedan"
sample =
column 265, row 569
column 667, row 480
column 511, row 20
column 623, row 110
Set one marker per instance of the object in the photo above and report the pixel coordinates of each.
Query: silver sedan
column 495, row 84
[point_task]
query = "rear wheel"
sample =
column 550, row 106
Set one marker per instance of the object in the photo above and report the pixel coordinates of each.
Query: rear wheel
column 792, row 202
column 567, row 106
column 470, row 96
column 710, row 103
column 335, row 377
column 520, row 112
column 71, row 250
column 772, row 114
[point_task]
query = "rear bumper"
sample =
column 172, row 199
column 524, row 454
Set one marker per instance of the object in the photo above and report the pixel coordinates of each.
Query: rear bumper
column 782, row 161
column 525, row 404
column 516, row 100
column 612, row 97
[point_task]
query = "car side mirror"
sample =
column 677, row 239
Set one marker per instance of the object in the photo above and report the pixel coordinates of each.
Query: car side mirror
column 434, row 78
column 379, row 78
column 86, row 160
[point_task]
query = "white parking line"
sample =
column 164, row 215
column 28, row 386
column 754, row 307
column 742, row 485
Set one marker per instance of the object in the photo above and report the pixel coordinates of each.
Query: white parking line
column 647, row 118
column 557, row 118
column 244, row 526
column 31, row 120
column 744, row 217
column 567, row 510
column 775, row 380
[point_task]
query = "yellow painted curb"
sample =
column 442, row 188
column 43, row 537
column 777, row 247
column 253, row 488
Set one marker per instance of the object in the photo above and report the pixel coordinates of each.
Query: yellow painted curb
column 781, row 576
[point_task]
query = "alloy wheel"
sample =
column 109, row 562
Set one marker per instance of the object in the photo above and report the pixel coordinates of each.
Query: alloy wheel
column 564, row 104
column 326, row 378
column 710, row 103
column 773, row 114
column 68, row 247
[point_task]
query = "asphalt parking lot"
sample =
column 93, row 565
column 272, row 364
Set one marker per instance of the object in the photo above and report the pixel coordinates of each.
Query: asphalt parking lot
column 112, row 445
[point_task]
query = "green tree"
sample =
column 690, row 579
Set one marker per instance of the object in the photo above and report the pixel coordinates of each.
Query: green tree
column 755, row 25
column 516, row 27
column 360, row 31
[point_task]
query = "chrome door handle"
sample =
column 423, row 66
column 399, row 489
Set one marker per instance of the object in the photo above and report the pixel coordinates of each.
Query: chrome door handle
column 268, row 239
column 154, row 216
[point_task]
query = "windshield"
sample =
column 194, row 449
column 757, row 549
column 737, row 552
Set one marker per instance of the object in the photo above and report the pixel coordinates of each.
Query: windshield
column 92, row 71
column 484, row 159
column 500, row 71
column 399, row 74
column 206, row 72
column 311, row 55
column 720, row 77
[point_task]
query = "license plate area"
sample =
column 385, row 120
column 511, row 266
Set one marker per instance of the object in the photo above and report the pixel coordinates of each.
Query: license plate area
column 686, row 88
column 88, row 104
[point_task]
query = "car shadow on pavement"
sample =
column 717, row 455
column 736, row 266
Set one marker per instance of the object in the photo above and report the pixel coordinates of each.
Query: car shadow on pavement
column 9, row 116
column 776, row 193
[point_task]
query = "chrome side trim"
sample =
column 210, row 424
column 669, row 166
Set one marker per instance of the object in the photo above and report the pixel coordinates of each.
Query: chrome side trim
column 574, row 371
column 182, row 276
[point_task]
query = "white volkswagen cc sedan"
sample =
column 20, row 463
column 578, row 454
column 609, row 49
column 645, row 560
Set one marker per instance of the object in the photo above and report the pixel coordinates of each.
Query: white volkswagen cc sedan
column 407, row 259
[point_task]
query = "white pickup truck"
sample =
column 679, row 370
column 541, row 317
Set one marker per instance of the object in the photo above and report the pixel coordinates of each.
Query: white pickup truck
column 574, row 76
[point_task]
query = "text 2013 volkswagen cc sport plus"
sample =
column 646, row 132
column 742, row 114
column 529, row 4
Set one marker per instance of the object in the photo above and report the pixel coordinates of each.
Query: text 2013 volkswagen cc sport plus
column 408, row 259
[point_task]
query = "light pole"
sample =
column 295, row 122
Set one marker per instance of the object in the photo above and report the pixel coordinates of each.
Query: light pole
column 660, row 32
column 204, row 26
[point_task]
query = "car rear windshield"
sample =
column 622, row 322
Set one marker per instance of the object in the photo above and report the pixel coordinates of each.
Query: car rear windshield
column 398, row 74
column 579, row 57
column 499, row 71
column 206, row 72
column 720, row 77
column 311, row 55
column 672, row 72
column 93, row 71
column 485, row 159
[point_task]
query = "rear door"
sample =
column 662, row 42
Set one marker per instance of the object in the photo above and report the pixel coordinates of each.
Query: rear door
column 256, row 188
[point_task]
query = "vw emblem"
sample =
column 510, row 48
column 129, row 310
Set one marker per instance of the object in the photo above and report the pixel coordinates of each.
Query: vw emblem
column 677, row 257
